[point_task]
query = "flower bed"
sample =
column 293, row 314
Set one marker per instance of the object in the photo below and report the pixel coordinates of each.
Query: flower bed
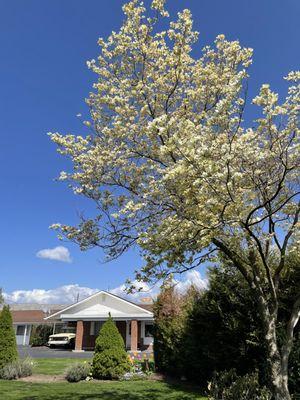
column 142, row 366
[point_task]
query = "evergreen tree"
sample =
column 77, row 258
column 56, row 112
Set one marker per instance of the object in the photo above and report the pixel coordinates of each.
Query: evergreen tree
column 8, row 346
column 222, row 330
column 110, row 359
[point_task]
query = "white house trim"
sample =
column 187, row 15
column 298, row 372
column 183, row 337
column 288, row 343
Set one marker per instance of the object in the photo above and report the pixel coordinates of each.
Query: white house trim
column 140, row 311
column 82, row 317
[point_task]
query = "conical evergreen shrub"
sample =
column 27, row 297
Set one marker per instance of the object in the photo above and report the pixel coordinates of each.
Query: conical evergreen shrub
column 110, row 359
column 8, row 346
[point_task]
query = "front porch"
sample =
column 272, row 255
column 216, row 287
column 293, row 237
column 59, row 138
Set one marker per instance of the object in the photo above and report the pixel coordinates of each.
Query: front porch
column 137, row 335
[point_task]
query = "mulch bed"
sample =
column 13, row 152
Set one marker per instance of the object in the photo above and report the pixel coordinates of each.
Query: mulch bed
column 42, row 378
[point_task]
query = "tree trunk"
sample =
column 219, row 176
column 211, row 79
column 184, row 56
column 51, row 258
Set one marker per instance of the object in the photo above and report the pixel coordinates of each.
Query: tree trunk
column 279, row 375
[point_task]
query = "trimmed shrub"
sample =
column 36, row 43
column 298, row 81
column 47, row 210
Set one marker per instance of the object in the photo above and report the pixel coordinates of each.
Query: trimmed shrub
column 110, row 364
column 228, row 386
column 109, row 337
column 8, row 346
column 40, row 335
column 18, row 369
column 110, row 359
column 77, row 372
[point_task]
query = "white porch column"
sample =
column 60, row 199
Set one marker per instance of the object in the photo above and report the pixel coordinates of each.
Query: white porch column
column 24, row 336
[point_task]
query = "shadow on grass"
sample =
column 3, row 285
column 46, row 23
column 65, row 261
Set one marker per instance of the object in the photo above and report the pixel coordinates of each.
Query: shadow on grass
column 113, row 395
column 167, row 391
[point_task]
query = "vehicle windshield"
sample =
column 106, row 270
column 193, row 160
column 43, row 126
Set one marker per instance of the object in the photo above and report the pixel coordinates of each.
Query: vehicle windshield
column 68, row 330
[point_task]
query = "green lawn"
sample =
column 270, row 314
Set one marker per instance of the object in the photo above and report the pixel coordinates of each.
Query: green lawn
column 140, row 390
column 54, row 366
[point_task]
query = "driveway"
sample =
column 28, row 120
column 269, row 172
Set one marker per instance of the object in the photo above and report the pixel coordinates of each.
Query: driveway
column 45, row 352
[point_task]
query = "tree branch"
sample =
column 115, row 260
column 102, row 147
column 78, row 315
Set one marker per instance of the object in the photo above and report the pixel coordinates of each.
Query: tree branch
column 235, row 259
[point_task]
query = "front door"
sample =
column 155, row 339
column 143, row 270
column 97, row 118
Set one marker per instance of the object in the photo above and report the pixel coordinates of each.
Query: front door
column 121, row 325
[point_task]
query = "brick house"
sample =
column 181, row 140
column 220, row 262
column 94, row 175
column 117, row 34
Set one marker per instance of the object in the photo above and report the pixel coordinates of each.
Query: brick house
column 134, row 321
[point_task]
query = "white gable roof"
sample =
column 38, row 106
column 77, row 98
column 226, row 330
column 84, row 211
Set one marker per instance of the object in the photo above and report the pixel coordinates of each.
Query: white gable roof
column 99, row 306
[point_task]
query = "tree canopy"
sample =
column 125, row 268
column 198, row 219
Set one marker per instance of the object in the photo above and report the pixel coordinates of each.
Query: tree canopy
column 170, row 164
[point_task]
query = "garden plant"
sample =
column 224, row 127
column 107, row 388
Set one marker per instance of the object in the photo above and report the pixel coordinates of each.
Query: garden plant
column 110, row 360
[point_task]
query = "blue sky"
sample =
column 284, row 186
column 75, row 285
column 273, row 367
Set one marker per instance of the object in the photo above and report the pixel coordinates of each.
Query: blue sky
column 44, row 80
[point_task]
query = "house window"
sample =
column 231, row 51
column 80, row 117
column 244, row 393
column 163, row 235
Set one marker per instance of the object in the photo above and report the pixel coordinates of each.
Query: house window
column 20, row 330
column 97, row 327
column 148, row 330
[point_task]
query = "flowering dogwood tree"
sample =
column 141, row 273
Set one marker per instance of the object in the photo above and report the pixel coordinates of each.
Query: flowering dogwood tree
column 172, row 168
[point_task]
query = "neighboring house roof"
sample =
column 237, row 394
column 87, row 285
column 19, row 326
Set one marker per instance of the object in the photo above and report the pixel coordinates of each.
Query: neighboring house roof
column 99, row 305
column 32, row 313
column 29, row 316
column 34, row 306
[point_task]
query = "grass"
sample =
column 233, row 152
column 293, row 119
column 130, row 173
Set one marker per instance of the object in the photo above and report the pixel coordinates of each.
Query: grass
column 54, row 366
column 140, row 390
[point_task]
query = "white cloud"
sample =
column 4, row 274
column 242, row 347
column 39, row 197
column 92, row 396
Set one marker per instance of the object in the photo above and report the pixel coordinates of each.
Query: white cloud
column 194, row 278
column 147, row 292
column 59, row 253
column 61, row 295
column 70, row 293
